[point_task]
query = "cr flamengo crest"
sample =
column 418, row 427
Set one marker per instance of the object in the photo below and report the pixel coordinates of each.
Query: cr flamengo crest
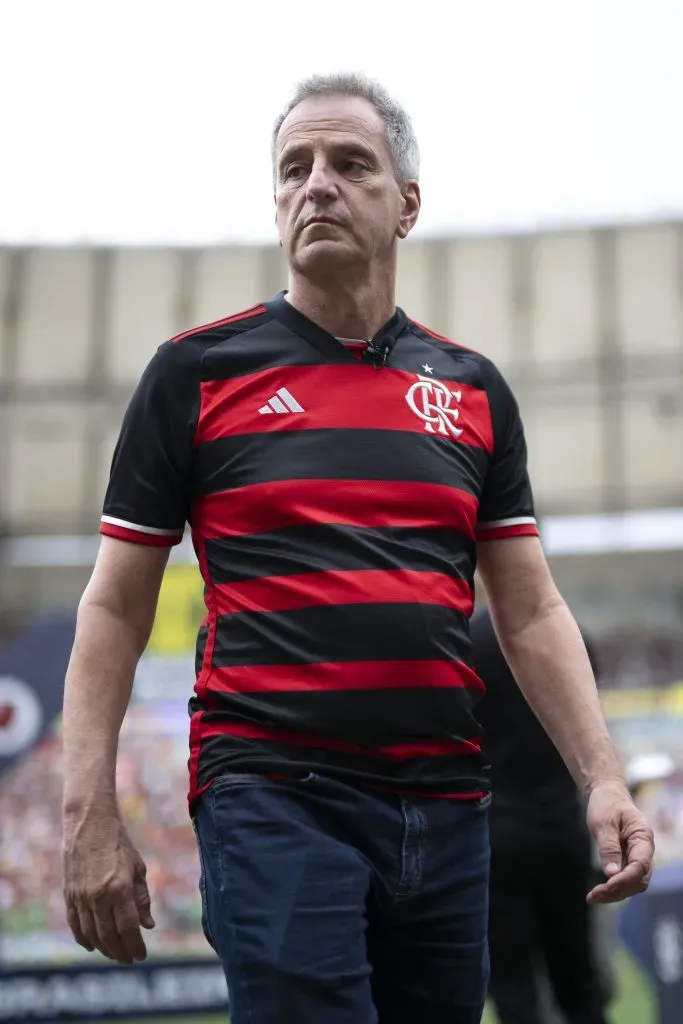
column 432, row 401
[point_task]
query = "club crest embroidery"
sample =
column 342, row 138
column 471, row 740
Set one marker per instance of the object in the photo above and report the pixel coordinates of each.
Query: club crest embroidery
column 436, row 406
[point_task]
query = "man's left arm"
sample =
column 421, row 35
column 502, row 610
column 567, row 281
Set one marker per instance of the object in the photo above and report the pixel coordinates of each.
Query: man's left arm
column 546, row 653
column 544, row 648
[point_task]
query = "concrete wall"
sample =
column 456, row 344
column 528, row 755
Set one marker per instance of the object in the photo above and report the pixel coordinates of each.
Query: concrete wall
column 587, row 326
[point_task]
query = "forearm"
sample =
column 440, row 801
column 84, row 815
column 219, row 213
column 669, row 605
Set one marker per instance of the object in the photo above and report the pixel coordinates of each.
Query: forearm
column 97, row 692
column 549, row 660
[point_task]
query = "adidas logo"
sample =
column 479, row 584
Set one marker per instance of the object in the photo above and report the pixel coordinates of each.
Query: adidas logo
column 282, row 402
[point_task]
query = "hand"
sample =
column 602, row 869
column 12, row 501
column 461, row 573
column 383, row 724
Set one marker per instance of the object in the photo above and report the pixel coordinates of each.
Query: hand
column 106, row 895
column 625, row 843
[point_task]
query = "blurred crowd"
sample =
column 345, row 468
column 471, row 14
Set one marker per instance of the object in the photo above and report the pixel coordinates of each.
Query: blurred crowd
column 152, row 781
column 632, row 654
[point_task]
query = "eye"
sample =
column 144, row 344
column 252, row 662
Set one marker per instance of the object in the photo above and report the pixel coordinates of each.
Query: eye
column 354, row 166
column 293, row 172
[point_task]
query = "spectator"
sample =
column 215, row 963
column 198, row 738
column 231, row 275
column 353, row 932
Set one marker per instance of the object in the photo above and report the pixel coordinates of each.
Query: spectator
column 541, row 858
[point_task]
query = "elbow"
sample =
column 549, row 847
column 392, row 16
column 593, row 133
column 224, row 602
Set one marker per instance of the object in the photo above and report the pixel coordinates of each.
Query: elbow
column 549, row 602
column 514, row 621
column 109, row 612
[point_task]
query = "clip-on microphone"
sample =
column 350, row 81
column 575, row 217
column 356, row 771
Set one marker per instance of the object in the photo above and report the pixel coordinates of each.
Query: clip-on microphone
column 378, row 352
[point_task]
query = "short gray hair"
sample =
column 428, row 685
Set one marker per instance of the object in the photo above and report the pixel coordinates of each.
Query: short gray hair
column 400, row 135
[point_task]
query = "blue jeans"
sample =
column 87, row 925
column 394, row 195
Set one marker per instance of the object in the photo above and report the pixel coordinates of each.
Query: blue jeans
column 329, row 904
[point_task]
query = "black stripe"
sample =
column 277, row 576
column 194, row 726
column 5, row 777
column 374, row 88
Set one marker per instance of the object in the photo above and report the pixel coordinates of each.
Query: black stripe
column 255, row 345
column 447, row 361
column 355, row 632
column 446, row 774
column 369, row 718
column 202, row 636
column 337, row 454
column 299, row 549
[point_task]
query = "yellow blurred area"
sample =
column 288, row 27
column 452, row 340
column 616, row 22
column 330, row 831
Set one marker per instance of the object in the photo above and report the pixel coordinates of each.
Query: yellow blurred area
column 635, row 703
column 179, row 613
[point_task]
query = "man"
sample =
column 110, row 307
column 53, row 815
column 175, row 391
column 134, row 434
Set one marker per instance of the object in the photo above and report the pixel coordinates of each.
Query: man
column 337, row 504
column 537, row 928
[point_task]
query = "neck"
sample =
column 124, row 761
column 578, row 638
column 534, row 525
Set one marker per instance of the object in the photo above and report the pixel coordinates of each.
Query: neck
column 353, row 310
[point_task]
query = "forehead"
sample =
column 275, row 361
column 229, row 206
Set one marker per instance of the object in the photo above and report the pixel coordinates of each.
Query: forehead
column 335, row 118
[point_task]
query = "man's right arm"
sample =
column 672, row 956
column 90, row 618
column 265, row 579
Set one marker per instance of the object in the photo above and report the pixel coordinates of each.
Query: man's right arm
column 105, row 890
column 145, row 511
column 115, row 619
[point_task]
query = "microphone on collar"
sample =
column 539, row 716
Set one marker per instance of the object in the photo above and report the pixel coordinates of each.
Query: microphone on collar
column 378, row 350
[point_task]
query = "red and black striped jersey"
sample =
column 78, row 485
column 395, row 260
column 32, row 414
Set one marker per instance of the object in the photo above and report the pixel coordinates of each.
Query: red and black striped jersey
column 335, row 505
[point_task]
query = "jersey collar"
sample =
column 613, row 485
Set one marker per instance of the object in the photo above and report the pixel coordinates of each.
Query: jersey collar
column 285, row 313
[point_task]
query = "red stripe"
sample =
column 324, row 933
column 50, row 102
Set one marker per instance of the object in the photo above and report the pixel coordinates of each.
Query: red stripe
column 278, row 504
column 343, row 397
column 234, row 318
column 282, row 593
column 442, row 337
column 397, row 752
column 193, row 764
column 153, row 540
column 501, row 532
column 430, row 748
column 348, row 675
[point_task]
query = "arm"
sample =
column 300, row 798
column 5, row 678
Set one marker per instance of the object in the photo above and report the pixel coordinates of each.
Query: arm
column 546, row 653
column 115, row 619
column 145, row 510
column 544, row 649
column 104, row 875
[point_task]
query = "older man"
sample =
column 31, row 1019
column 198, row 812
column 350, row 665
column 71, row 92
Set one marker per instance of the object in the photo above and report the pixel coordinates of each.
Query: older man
column 342, row 469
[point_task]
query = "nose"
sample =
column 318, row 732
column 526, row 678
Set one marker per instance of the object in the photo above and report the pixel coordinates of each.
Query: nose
column 321, row 185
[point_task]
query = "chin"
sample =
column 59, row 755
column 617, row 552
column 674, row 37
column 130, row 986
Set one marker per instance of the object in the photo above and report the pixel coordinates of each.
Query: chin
column 324, row 256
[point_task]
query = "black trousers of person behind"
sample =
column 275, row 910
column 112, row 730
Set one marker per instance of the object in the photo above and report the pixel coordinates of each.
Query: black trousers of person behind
column 540, row 921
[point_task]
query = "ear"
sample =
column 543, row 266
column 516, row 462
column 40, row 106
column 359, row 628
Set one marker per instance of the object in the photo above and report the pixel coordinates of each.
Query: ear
column 411, row 199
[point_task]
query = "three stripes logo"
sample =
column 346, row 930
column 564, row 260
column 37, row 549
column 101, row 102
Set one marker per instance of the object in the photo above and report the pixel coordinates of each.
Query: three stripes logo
column 281, row 402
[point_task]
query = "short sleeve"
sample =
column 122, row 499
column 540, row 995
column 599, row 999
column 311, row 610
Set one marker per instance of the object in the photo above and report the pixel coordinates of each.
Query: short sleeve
column 506, row 504
column 148, row 495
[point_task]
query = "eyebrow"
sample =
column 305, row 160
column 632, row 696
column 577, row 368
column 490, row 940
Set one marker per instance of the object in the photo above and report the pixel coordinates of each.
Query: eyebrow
column 301, row 149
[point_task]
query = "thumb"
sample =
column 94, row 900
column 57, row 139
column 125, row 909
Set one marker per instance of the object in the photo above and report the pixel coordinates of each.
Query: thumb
column 143, row 903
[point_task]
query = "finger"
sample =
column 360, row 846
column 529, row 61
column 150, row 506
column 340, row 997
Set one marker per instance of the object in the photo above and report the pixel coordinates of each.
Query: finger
column 640, row 849
column 602, row 895
column 609, row 846
column 632, row 875
column 74, row 921
column 109, row 941
column 128, row 928
column 631, row 880
column 143, row 903
column 89, row 928
column 637, row 871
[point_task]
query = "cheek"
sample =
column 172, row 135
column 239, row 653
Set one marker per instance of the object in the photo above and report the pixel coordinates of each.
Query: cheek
column 281, row 215
column 385, row 205
column 284, row 209
column 386, row 214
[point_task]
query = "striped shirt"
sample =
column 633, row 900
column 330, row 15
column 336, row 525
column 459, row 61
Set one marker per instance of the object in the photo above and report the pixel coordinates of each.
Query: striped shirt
column 335, row 504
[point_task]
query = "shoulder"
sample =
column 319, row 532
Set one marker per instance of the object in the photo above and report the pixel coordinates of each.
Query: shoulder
column 218, row 330
column 490, row 376
column 185, row 351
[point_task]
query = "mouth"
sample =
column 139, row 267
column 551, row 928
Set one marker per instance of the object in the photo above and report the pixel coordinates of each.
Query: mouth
column 320, row 220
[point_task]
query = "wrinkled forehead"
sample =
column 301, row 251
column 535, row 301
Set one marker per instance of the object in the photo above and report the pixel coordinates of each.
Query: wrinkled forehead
column 336, row 120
